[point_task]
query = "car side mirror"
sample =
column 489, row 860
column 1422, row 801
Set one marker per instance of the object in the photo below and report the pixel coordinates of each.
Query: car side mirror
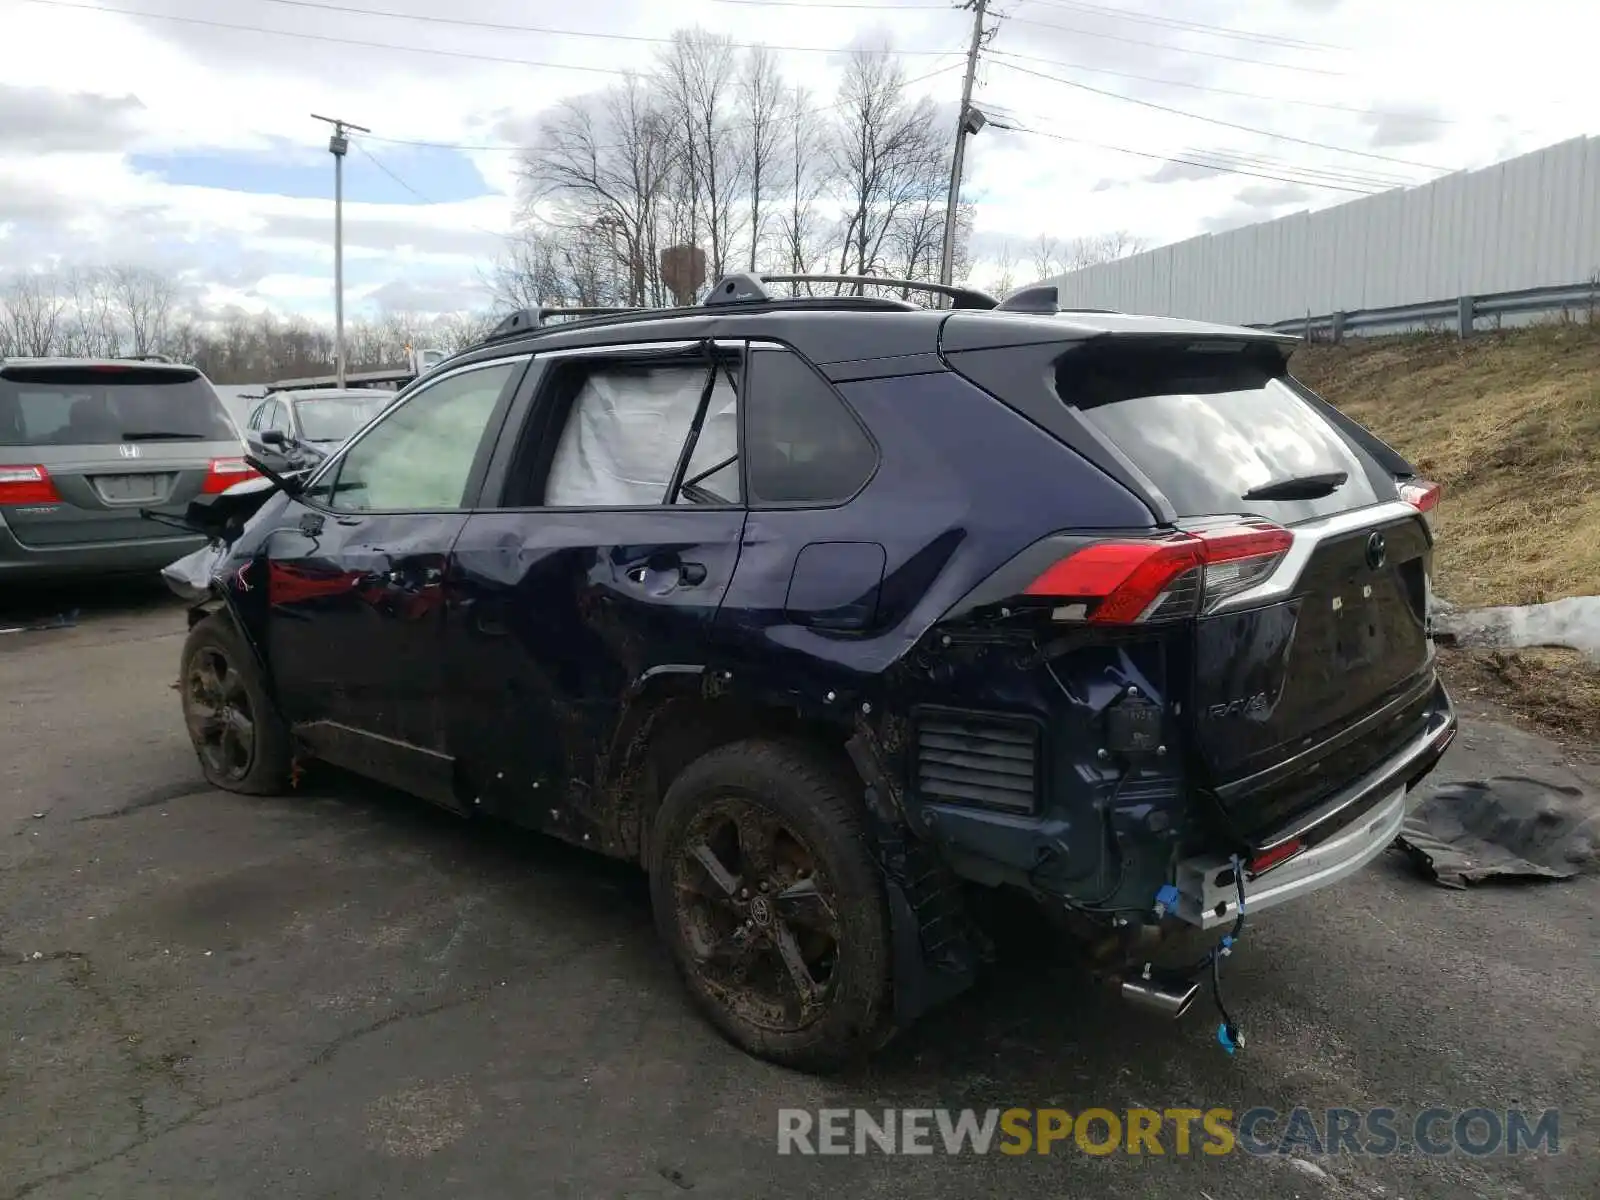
column 273, row 437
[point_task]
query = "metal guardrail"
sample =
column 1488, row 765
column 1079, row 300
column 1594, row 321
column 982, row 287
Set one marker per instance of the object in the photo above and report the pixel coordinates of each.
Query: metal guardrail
column 1462, row 315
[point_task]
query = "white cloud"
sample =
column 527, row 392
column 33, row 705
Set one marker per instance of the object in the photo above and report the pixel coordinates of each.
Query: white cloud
column 1429, row 81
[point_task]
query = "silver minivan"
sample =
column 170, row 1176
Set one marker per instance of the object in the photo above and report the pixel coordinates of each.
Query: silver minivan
column 87, row 444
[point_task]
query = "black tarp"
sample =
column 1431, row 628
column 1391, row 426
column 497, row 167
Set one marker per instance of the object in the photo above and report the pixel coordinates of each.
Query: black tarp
column 1508, row 826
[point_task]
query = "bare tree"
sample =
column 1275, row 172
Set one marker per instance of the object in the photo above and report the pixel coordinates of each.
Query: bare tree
column 33, row 315
column 1100, row 248
column 889, row 155
column 606, row 161
column 800, row 225
column 91, row 326
column 1004, row 281
column 699, row 73
column 1047, row 257
column 525, row 273
column 143, row 300
column 761, row 95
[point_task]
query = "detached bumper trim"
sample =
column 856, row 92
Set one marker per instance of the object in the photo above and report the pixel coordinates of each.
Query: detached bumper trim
column 1208, row 896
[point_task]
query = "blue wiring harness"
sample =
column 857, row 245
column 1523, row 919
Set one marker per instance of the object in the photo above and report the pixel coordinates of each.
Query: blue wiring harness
column 1228, row 1035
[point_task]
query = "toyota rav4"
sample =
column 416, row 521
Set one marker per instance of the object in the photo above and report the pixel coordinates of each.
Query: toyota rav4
column 840, row 615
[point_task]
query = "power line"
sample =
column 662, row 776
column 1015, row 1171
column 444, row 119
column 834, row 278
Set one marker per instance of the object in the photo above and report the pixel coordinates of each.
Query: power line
column 1223, row 159
column 831, row 4
column 502, row 27
column 431, row 145
column 1282, row 137
column 320, row 37
column 1118, row 14
column 1191, row 162
column 343, row 41
column 1376, row 178
column 1200, row 87
column 1113, row 37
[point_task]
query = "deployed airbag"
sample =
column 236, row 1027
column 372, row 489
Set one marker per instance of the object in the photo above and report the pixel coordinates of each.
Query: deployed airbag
column 626, row 430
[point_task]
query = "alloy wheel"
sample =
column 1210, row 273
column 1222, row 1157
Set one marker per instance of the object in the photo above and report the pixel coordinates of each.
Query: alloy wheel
column 758, row 915
column 220, row 717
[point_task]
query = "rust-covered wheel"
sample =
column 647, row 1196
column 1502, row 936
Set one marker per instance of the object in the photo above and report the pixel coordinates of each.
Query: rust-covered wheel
column 238, row 737
column 766, row 894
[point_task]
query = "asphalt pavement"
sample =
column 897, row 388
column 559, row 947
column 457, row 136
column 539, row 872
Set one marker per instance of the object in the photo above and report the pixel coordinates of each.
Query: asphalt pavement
column 346, row 993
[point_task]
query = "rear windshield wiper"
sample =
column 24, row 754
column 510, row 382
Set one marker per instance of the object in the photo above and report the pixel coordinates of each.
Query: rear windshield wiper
column 1300, row 487
column 162, row 435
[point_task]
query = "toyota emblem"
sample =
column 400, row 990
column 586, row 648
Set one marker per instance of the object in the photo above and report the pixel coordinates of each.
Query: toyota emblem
column 128, row 450
column 1377, row 551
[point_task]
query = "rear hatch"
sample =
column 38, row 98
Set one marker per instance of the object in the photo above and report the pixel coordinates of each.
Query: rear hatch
column 85, row 446
column 1310, row 659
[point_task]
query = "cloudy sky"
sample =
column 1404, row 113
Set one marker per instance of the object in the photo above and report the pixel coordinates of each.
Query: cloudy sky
column 176, row 133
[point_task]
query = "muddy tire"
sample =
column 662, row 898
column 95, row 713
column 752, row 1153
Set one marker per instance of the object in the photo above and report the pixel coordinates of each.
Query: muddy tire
column 241, row 742
column 769, row 902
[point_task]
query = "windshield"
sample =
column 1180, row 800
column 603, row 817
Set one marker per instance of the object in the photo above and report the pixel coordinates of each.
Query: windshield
column 336, row 418
column 103, row 406
column 1218, row 432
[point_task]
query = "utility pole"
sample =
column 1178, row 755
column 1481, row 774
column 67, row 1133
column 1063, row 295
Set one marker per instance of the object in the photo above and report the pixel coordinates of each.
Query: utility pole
column 338, row 146
column 969, row 120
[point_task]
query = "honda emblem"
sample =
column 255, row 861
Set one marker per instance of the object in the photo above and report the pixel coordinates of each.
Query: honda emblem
column 128, row 450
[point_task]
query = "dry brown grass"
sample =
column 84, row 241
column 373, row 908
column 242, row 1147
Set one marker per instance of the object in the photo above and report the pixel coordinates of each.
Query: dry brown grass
column 1509, row 423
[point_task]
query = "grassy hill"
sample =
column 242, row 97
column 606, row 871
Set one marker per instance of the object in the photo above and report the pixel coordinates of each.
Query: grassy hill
column 1509, row 423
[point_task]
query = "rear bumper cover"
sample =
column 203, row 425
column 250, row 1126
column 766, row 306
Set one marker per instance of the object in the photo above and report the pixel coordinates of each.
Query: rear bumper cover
column 18, row 561
column 1357, row 826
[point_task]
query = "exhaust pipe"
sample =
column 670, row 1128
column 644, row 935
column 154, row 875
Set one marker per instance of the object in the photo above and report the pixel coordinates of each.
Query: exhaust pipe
column 1169, row 998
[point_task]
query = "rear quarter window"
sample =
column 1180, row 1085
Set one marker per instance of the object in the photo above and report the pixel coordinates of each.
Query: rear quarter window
column 1207, row 426
column 803, row 445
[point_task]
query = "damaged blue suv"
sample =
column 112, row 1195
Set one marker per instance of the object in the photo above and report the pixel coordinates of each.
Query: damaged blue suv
column 839, row 616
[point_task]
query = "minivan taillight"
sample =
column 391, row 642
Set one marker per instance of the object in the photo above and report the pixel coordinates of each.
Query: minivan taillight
column 1422, row 494
column 1163, row 578
column 27, row 485
column 223, row 473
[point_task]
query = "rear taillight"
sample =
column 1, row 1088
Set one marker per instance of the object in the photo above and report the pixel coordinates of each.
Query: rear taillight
column 27, row 485
column 1421, row 494
column 1159, row 579
column 223, row 473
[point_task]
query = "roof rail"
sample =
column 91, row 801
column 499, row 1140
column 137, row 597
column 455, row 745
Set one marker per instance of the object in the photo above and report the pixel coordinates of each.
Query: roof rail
column 745, row 288
column 538, row 316
column 160, row 358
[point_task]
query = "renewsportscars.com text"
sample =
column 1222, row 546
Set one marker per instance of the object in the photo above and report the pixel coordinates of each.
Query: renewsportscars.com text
column 1178, row 1131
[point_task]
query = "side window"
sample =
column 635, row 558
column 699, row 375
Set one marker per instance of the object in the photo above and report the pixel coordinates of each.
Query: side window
column 419, row 457
column 627, row 427
column 802, row 445
column 256, row 415
column 279, row 417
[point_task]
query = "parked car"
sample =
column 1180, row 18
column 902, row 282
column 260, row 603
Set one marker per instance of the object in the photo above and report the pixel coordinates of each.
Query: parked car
column 842, row 616
column 87, row 447
column 310, row 422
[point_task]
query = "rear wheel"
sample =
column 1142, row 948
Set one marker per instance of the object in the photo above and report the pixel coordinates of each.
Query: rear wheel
column 242, row 744
column 770, row 903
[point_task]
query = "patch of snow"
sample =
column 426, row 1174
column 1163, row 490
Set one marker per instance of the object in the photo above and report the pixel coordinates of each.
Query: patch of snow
column 1573, row 622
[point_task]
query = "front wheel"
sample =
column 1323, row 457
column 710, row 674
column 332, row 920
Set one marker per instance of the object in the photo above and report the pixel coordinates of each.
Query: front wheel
column 768, row 899
column 242, row 743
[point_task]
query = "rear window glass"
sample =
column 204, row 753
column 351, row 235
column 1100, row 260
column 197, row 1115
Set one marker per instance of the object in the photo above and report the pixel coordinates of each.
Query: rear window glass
column 82, row 406
column 1211, row 426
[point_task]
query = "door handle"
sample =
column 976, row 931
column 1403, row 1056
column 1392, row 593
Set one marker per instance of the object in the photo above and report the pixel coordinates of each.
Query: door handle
column 659, row 582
